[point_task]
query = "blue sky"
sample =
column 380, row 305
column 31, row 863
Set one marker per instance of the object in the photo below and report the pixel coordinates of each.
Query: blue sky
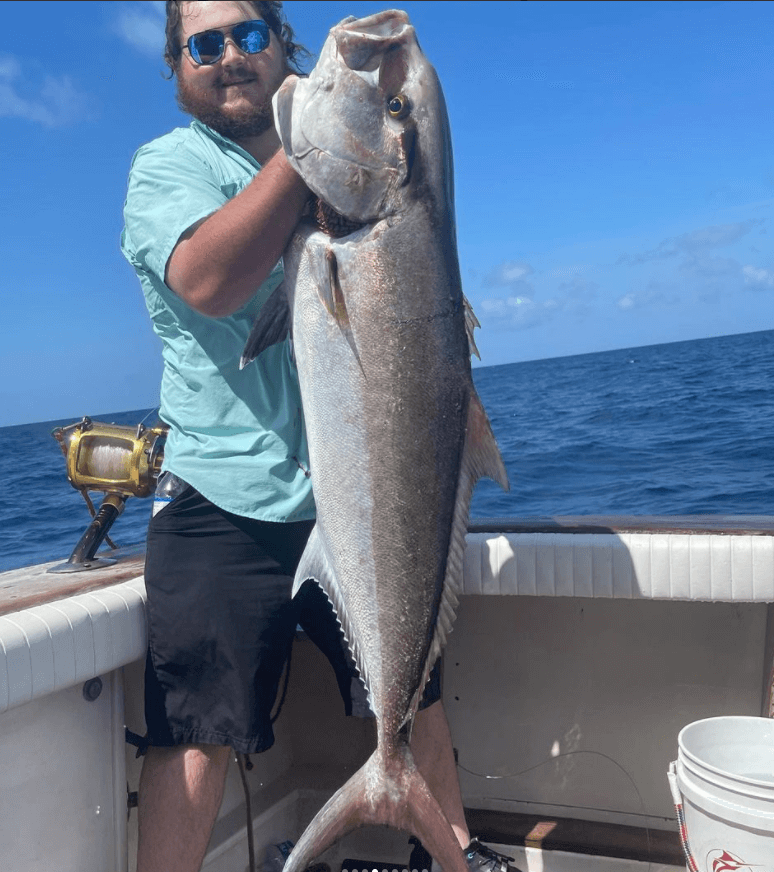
column 614, row 169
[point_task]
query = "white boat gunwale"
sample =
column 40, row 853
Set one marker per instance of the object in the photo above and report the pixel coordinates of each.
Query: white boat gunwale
column 58, row 631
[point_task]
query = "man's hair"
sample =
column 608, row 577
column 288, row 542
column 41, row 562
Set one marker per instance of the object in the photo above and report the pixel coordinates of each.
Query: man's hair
column 269, row 10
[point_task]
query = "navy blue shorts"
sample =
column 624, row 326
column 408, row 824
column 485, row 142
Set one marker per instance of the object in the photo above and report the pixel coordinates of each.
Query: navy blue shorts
column 221, row 624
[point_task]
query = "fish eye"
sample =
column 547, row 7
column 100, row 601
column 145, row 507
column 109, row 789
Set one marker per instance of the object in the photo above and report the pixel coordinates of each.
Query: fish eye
column 398, row 106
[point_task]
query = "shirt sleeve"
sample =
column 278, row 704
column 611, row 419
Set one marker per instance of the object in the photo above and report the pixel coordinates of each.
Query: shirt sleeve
column 169, row 190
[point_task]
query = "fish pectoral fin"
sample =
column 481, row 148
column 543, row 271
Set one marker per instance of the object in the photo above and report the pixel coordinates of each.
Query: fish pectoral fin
column 471, row 322
column 327, row 282
column 316, row 565
column 332, row 297
column 331, row 294
column 272, row 325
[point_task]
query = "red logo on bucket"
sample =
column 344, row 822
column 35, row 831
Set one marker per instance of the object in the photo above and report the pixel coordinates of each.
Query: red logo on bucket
column 723, row 861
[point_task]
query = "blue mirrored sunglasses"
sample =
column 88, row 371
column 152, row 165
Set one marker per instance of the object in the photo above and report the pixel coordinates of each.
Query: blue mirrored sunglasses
column 208, row 46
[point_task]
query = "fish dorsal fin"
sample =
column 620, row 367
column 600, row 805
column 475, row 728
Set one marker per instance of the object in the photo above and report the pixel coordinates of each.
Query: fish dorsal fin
column 270, row 327
column 315, row 564
column 471, row 322
column 480, row 458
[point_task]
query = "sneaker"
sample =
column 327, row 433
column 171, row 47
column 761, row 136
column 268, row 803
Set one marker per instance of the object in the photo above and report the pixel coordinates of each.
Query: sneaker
column 481, row 858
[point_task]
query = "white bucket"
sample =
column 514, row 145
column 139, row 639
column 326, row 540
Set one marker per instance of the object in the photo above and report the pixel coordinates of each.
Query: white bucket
column 724, row 780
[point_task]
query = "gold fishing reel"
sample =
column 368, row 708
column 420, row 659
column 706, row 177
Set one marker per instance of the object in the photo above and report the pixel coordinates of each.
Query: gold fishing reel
column 120, row 462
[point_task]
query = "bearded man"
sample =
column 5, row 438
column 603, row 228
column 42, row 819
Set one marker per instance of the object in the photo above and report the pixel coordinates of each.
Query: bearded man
column 209, row 210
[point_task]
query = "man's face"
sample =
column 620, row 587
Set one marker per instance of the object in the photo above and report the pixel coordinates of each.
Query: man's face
column 233, row 95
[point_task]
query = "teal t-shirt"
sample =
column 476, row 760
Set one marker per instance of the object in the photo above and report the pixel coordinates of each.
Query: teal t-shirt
column 237, row 436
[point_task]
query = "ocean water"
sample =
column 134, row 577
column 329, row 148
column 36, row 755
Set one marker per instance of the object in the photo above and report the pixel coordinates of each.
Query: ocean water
column 683, row 428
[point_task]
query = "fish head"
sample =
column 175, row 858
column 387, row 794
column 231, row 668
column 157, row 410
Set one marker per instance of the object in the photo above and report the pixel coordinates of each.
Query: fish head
column 357, row 128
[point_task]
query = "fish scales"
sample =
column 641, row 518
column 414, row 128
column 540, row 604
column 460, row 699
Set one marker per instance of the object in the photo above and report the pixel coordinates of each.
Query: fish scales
column 397, row 435
column 409, row 403
column 410, row 470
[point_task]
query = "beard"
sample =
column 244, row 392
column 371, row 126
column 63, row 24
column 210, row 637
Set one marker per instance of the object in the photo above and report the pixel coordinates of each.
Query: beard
column 234, row 123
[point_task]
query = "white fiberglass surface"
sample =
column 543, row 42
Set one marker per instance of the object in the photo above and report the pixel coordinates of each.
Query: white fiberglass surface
column 537, row 860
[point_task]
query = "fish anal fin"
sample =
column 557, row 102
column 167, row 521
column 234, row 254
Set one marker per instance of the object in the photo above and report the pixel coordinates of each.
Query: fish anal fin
column 481, row 457
column 316, row 565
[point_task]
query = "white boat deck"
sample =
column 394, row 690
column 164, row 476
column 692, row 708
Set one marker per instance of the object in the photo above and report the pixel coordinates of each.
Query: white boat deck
column 57, row 632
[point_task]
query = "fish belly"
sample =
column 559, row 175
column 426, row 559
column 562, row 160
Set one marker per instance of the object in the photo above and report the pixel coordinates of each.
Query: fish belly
column 385, row 413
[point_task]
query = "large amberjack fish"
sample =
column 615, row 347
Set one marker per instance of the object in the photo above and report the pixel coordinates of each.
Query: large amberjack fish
column 397, row 434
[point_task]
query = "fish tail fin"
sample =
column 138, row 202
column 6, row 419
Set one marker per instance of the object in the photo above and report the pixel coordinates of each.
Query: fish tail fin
column 425, row 819
column 385, row 791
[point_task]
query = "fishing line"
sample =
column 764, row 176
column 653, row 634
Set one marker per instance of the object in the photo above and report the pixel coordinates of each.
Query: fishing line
column 157, row 409
column 571, row 754
column 243, row 762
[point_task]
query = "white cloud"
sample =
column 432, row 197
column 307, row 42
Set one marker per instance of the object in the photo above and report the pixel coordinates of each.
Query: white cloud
column 758, row 277
column 568, row 272
column 700, row 269
column 519, row 312
column 653, row 293
column 141, row 25
column 706, row 266
column 519, row 309
column 509, row 274
column 740, row 192
column 54, row 103
column 693, row 243
column 10, row 67
column 714, row 236
column 578, row 288
column 514, row 272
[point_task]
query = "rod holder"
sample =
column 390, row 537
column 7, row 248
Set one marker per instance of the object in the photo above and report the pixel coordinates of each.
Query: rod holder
column 83, row 557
